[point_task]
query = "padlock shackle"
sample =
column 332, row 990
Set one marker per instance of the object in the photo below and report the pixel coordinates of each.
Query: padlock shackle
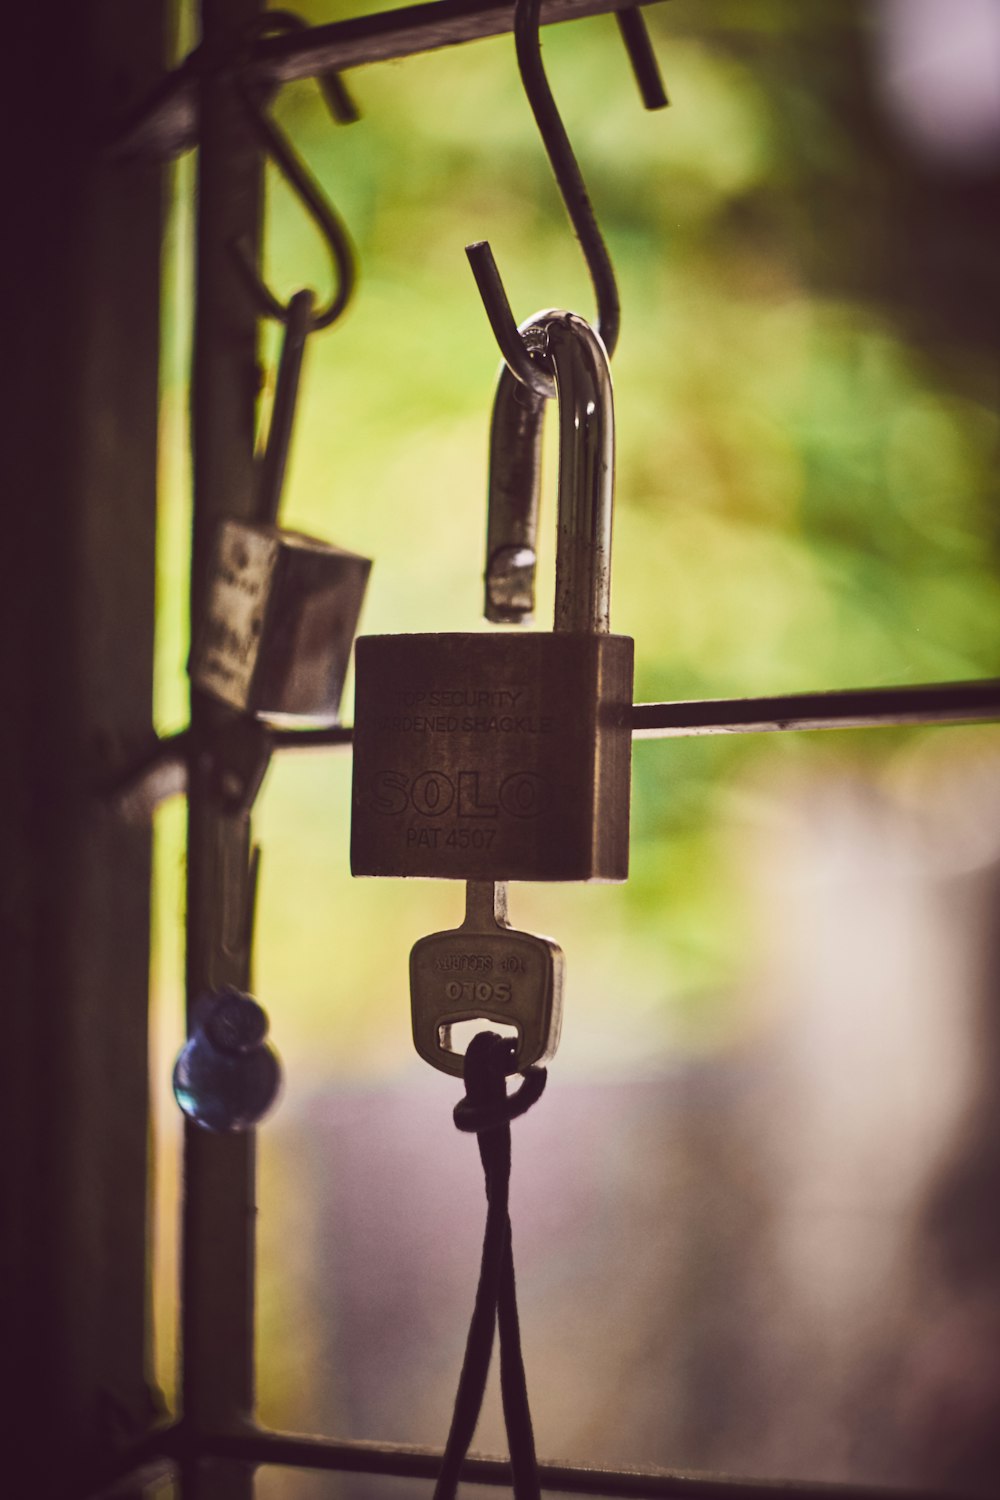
column 586, row 482
column 515, row 478
column 586, row 475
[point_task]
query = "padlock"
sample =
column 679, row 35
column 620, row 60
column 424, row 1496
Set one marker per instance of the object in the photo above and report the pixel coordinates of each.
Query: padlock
column 276, row 635
column 282, row 608
column 503, row 756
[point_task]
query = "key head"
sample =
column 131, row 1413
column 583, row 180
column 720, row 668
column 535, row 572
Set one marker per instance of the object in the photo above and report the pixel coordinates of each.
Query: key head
column 511, row 978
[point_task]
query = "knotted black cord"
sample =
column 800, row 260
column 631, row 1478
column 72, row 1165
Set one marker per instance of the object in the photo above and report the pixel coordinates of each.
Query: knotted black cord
column 487, row 1062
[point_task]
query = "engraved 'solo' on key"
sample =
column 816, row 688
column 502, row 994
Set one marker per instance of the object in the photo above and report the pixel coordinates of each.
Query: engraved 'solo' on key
column 486, row 971
column 282, row 608
column 500, row 756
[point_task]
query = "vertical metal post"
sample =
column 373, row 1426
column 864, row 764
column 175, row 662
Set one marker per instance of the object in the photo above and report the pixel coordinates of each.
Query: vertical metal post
column 217, row 1332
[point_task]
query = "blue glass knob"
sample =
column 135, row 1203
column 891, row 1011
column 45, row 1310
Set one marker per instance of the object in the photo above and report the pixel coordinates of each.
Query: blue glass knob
column 227, row 1075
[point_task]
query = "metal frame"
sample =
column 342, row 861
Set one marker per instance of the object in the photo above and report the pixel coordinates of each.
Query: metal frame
column 162, row 771
column 167, row 121
column 168, row 1452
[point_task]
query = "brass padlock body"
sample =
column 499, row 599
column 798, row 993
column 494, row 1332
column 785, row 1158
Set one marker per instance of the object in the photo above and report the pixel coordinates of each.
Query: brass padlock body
column 492, row 756
column 279, row 623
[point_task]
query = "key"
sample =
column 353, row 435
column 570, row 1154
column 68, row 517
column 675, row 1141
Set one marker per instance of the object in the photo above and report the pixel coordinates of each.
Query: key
column 485, row 970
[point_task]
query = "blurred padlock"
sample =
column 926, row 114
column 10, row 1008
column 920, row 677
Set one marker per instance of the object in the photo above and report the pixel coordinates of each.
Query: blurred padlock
column 279, row 624
column 282, row 609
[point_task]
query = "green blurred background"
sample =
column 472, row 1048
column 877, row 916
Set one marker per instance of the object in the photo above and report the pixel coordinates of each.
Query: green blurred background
column 807, row 427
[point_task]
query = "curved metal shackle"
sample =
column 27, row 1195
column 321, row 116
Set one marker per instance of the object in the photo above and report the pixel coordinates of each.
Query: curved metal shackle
column 586, row 481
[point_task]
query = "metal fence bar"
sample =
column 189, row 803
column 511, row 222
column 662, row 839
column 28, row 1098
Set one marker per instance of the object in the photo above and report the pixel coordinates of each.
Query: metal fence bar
column 257, row 1447
column 163, row 771
column 854, row 708
column 166, row 122
column 402, row 32
column 858, row 708
column 217, row 1332
column 403, row 1461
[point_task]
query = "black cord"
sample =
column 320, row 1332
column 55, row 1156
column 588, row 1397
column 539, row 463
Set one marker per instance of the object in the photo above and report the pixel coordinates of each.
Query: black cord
column 514, row 1388
column 487, row 1063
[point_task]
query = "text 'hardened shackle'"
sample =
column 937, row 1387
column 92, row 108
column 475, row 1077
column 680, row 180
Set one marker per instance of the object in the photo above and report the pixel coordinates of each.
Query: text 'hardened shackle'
column 585, row 403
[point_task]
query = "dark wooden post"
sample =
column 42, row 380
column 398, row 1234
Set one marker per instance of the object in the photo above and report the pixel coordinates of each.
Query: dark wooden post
column 79, row 281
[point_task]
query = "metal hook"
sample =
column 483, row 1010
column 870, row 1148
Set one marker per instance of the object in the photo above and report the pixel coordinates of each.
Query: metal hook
column 339, row 102
column 632, row 25
column 518, row 357
column 569, row 180
column 326, row 220
column 271, row 475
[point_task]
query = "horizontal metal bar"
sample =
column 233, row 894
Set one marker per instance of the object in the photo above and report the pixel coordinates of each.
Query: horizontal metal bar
column 857, row 708
column 854, row 708
column 286, row 1450
column 401, row 1460
column 312, row 739
column 162, row 771
column 166, row 122
column 400, row 33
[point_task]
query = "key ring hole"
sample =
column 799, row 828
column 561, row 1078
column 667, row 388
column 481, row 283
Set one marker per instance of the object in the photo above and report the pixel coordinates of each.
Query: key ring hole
column 454, row 1036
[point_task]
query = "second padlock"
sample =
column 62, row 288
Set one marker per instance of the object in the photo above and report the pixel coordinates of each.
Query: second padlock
column 281, row 610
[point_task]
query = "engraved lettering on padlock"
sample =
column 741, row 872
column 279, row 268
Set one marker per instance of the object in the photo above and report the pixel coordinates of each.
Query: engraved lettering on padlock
column 522, row 794
column 530, row 731
column 469, row 805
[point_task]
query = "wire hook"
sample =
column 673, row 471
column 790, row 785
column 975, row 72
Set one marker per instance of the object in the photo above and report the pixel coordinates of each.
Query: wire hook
column 569, row 178
column 576, row 199
column 302, row 183
column 338, row 101
column 632, row 25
